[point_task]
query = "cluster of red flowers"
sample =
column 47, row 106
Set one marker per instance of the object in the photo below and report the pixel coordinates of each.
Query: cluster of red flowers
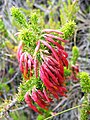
column 41, row 98
column 26, row 62
column 51, row 70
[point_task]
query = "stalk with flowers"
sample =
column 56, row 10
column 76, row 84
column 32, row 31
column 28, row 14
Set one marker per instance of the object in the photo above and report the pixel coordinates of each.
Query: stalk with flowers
column 42, row 58
column 49, row 71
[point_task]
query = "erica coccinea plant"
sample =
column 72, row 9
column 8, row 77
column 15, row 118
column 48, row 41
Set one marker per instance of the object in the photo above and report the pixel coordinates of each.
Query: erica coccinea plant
column 49, row 70
column 41, row 59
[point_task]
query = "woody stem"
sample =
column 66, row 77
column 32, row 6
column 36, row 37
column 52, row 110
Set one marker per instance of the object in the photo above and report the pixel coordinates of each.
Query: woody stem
column 64, row 111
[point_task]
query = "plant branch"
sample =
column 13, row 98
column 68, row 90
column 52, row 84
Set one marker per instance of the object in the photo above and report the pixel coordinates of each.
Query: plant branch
column 20, row 108
column 63, row 112
column 41, row 8
column 13, row 77
column 3, row 113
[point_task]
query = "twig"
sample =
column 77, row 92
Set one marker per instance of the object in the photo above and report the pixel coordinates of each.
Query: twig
column 8, row 60
column 75, row 86
column 60, row 103
column 41, row 8
column 3, row 113
column 12, row 78
column 21, row 108
column 63, row 112
column 12, row 37
column 7, row 116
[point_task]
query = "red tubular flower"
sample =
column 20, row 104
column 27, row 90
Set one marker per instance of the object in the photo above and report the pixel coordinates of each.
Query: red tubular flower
column 65, row 61
column 55, row 37
column 30, row 65
column 36, row 68
column 21, row 63
column 62, row 91
column 55, row 69
column 48, row 78
column 50, row 74
column 30, row 58
column 63, row 56
column 42, row 101
column 47, row 83
column 46, row 96
column 29, row 101
column 45, row 78
column 51, row 30
column 51, row 61
column 19, row 51
column 56, row 72
column 62, row 52
column 57, row 65
column 25, row 65
column 37, row 48
column 55, row 43
column 52, row 49
column 36, row 97
column 30, row 68
column 42, row 95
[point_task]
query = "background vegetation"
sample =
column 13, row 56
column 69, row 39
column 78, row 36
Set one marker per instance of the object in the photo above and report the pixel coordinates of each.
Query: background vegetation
column 53, row 14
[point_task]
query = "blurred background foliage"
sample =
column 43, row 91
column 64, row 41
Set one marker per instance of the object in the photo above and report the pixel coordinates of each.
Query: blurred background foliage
column 52, row 14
